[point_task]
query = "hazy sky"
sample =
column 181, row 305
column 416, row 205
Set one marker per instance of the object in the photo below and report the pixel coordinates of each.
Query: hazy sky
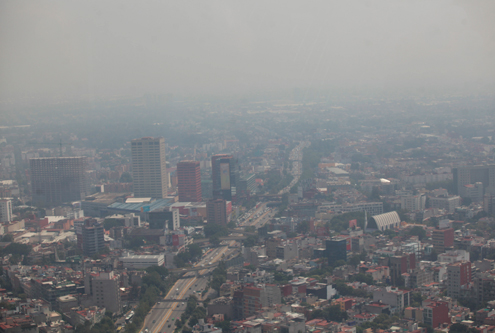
column 91, row 49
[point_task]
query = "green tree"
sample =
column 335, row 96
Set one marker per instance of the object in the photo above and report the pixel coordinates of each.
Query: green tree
column 215, row 241
column 418, row 231
column 303, row 227
column 125, row 178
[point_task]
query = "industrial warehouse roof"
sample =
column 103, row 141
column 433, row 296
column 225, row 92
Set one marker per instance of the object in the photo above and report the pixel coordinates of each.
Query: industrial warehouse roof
column 147, row 206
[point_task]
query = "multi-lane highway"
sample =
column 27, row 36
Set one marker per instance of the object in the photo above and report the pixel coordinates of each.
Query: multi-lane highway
column 163, row 315
column 295, row 156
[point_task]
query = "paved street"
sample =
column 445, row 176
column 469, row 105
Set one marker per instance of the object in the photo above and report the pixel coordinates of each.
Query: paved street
column 163, row 315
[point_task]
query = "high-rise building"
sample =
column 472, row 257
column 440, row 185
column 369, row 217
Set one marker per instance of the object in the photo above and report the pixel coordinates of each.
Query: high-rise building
column 149, row 171
column 189, row 181
column 443, row 239
column 336, row 250
column 5, row 210
column 216, row 211
column 458, row 278
column 55, row 180
column 224, row 176
column 105, row 289
column 473, row 174
column 90, row 238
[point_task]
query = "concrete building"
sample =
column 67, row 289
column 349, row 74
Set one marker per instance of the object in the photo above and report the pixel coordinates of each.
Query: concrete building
column 5, row 210
column 372, row 208
column 105, row 290
column 149, row 171
column 453, row 256
column 189, row 181
column 413, row 203
column 458, row 278
column 399, row 265
column 336, row 249
column 443, row 239
column 474, row 192
column 252, row 299
column 142, row 261
column 397, row 299
column 484, row 286
column 287, row 251
column 435, row 313
column 224, row 175
column 90, row 236
column 473, row 174
column 447, row 203
column 216, row 211
column 55, row 180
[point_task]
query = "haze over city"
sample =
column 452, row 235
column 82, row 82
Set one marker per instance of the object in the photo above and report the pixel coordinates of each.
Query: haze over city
column 247, row 166
column 61, row 50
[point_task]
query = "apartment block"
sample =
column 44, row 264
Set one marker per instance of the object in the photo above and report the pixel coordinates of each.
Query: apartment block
column 458, row 278
column 443, row 239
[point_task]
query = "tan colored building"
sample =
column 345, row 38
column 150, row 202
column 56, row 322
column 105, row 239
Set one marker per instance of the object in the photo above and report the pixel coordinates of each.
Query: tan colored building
column 149, row 171
column 106, row 291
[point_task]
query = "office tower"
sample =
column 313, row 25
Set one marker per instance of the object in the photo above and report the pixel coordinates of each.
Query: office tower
column 189, row 181
column 473, row 174
column 443, row 239
column 104, row 287
column 5, row 210
column 55, row 180
column 216, row 212
column 149, row 171
column 458, row 278
column 336, row 250
column 224, row 176
column 90, row 237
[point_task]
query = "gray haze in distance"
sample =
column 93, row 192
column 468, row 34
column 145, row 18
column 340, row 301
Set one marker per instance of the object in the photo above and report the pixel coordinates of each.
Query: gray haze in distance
column 59, row 50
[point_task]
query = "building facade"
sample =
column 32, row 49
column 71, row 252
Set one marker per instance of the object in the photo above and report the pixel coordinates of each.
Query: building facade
column 458, row 278
column 336, row 250
column 149, row 170
column 55, row 180
column 224, row 175
column 473, row 174
column 5, row 210
column 90, row 236
column 216, row 211
column 443, row 239
column 189, row 181
column 106, row 292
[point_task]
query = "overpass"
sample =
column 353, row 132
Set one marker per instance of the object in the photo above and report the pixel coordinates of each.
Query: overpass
column 204, row 240
column 171, row 301
column 193, row 269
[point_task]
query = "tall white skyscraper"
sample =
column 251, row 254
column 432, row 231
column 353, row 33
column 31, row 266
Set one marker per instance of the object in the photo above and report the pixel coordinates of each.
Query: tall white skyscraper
column 149, row 171
column 5, row 210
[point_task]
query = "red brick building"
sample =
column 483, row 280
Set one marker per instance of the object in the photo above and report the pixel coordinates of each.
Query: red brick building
column 189, row 181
